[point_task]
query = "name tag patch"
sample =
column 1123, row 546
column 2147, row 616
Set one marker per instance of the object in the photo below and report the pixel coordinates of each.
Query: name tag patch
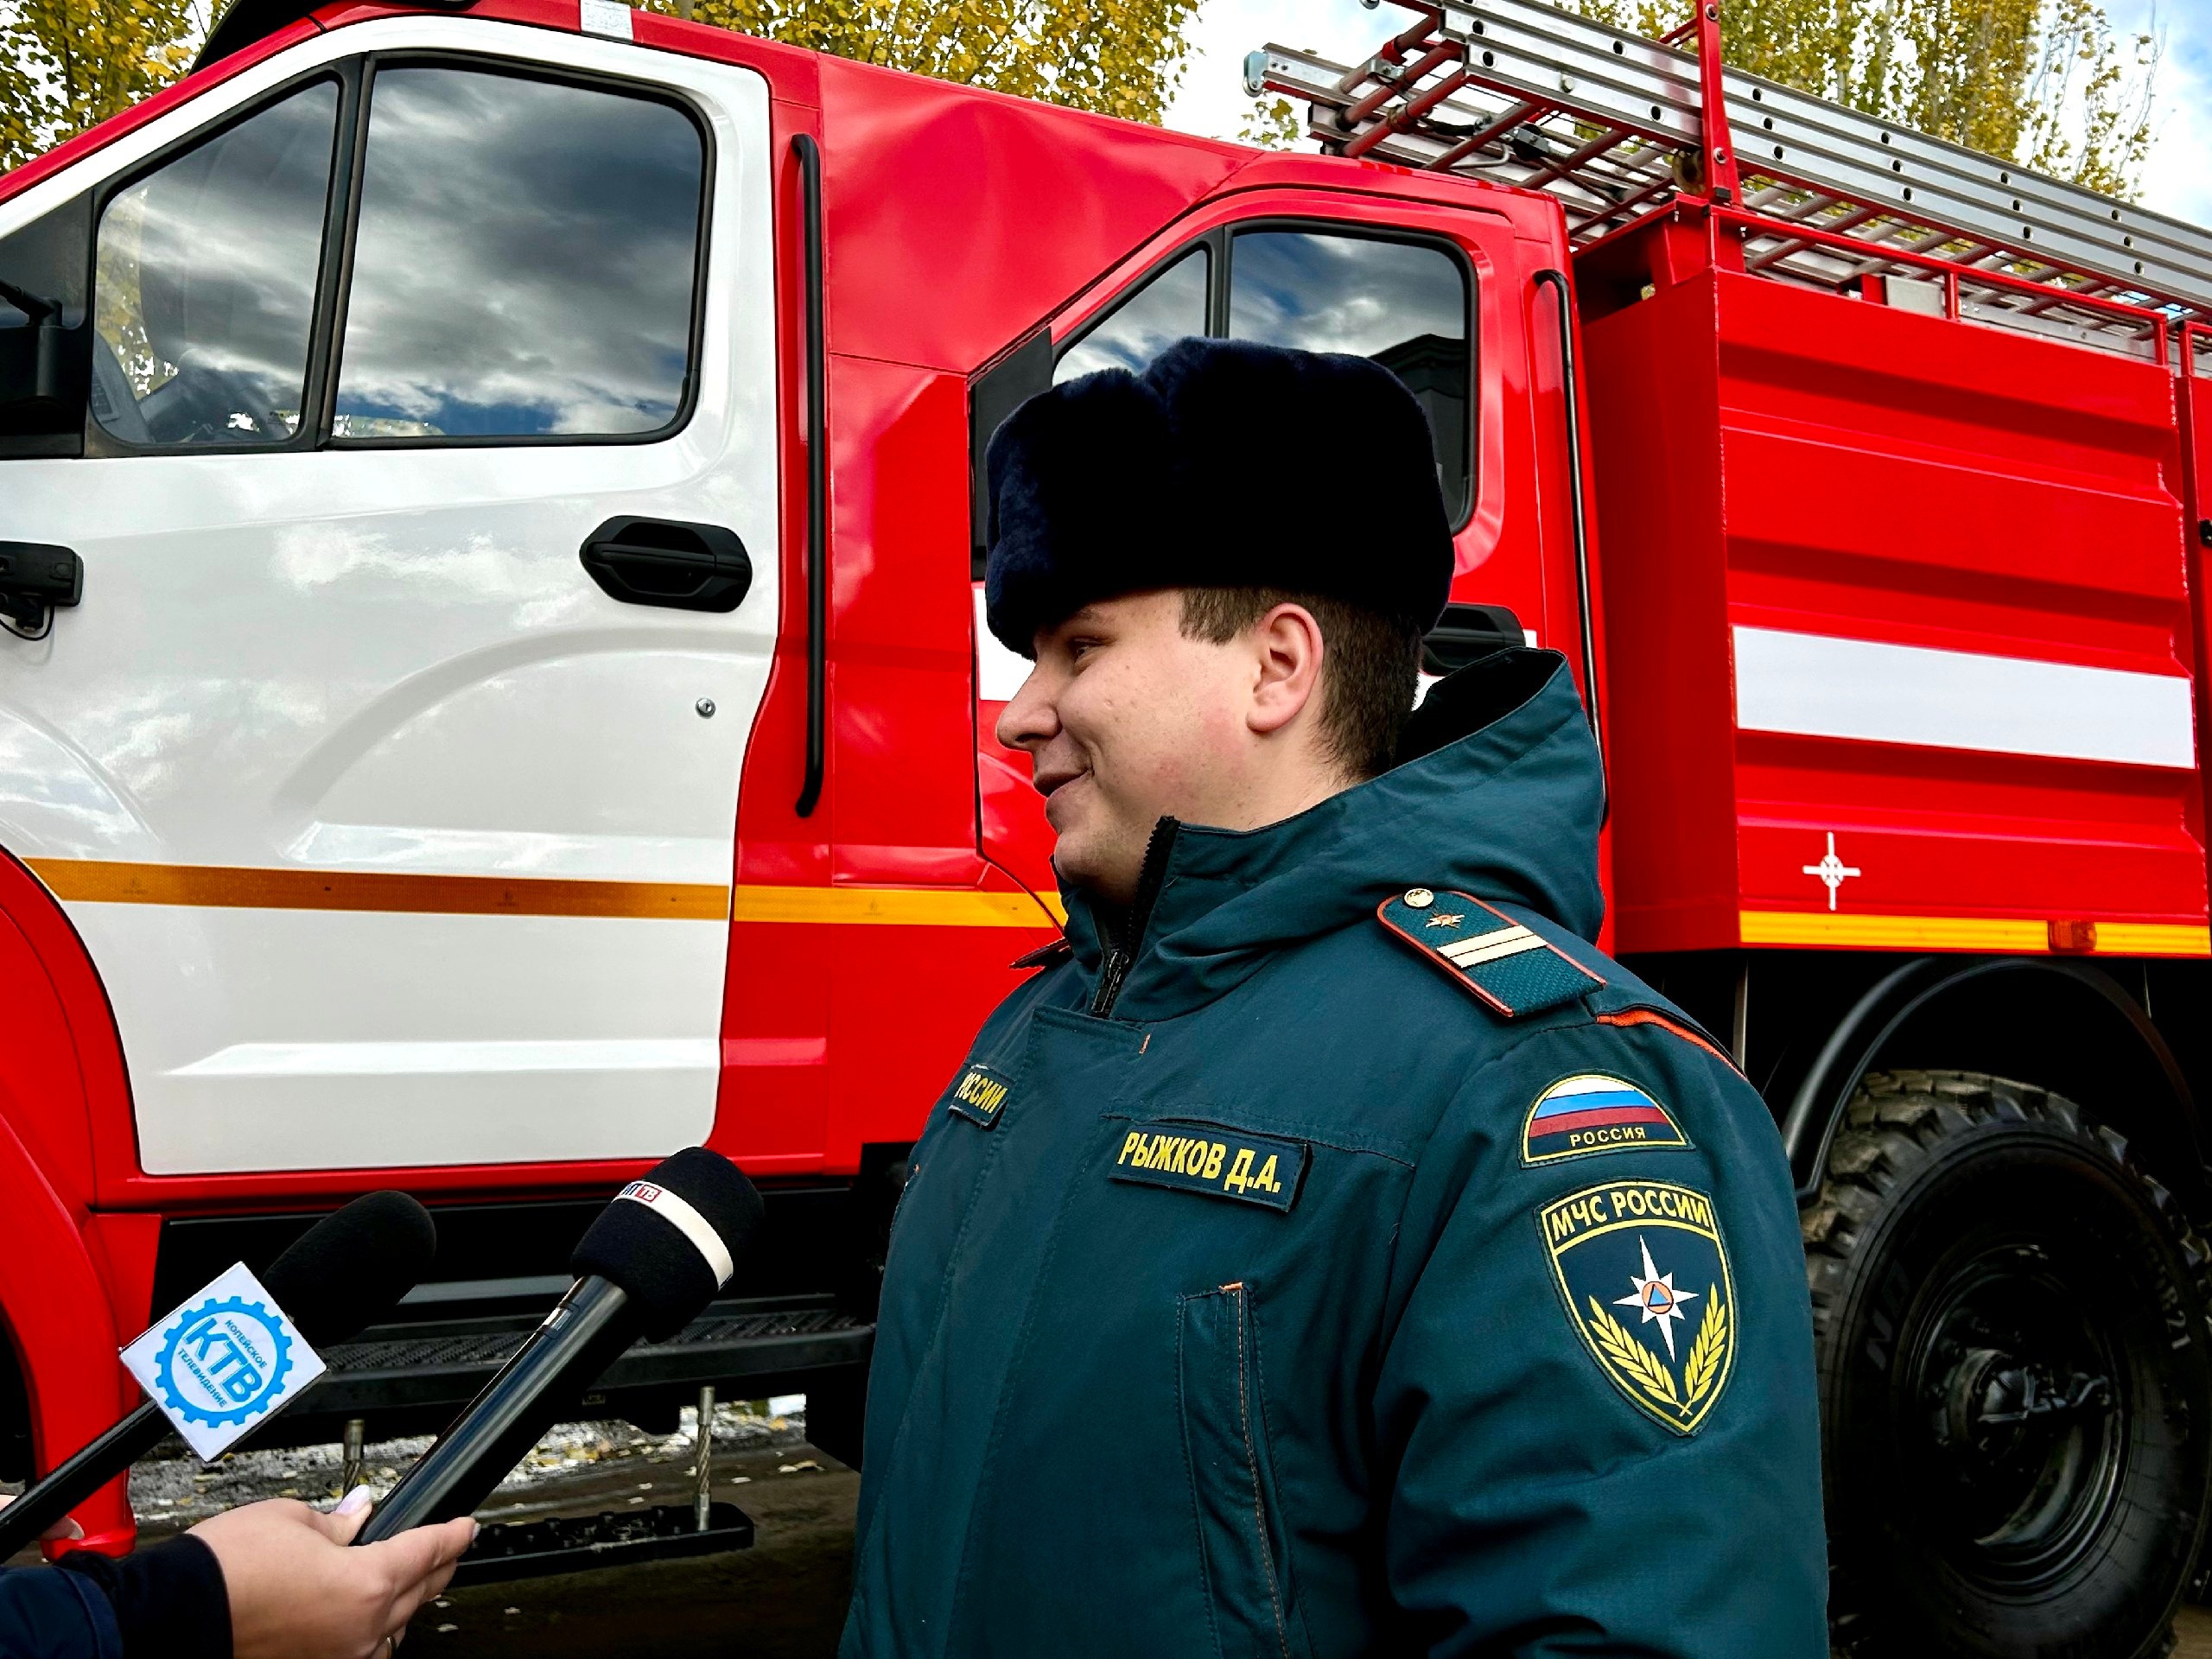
column 1591, row 1112
column 979, row 1096
column 1199, row 1157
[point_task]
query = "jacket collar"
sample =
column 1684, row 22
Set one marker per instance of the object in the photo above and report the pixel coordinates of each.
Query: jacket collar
column 1502, row 797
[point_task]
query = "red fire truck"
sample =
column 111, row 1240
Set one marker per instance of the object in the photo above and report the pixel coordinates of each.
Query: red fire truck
column 495, row 689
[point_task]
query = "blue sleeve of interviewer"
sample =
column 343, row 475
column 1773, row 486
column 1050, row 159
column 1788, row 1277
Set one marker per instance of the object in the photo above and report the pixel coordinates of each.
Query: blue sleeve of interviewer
column 46, row 1614
column 168, row 1598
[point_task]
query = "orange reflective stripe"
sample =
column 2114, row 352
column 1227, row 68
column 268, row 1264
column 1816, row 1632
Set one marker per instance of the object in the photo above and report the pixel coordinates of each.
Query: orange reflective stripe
column 217, row 887
column 227, row 887
column 1653, row 1017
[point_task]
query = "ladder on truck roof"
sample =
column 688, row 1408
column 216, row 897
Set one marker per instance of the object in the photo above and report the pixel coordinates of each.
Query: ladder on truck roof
column 1616, row 127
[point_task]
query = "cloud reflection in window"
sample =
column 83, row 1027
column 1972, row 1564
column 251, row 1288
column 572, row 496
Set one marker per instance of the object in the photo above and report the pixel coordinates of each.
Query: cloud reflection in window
column 525, row 263
column 1403, row 303
column 1169, row 307
column 205, row 283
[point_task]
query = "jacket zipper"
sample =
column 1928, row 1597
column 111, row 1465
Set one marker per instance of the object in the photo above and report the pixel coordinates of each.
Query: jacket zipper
column 1115, row 968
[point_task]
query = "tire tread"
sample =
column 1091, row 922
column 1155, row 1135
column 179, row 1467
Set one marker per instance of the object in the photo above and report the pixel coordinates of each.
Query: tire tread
column 1893, row 1126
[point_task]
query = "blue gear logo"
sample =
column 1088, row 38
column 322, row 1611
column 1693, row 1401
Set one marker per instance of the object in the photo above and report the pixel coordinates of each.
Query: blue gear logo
column 224, row 1362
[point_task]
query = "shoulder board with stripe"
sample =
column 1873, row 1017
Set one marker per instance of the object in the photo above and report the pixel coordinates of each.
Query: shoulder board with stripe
column 1509, row 969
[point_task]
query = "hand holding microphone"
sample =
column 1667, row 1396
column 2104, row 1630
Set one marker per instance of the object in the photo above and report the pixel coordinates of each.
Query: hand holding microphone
column 296, row 1593
column 649, row 1265
column 346, row 1272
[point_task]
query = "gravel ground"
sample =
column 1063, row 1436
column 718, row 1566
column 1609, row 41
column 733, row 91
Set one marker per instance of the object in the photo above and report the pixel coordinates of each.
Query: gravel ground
column 784, row 1599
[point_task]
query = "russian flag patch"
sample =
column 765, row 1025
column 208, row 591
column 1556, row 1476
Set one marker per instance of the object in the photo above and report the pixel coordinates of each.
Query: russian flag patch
column 1591, row 1112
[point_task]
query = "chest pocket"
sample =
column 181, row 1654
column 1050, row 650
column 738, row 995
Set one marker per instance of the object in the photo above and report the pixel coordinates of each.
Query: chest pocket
column 1242, row 1540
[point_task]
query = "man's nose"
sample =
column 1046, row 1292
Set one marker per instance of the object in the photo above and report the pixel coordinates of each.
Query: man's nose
column 1028, row 721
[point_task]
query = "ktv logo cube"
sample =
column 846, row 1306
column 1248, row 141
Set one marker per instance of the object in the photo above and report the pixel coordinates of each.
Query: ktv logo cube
column 223, row 1361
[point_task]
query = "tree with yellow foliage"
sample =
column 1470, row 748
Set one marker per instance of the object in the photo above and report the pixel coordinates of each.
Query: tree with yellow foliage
column 1116, row 57
column 2046, row 82
column 66, row 64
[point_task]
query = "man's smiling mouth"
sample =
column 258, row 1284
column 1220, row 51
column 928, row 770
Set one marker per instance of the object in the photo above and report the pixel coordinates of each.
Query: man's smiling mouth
column 1049, row 782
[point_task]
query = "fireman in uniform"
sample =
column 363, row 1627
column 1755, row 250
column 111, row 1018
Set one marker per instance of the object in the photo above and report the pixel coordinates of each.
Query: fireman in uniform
column 1326, row 1250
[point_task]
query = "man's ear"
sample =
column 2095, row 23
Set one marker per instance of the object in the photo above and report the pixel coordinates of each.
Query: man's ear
column 1286, row 668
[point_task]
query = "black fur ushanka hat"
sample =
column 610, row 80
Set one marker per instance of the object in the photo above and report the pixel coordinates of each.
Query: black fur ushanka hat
column 1226, row 464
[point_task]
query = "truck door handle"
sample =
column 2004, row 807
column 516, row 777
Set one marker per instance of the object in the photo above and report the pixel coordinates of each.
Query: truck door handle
column 665, row 562
column 36, row 579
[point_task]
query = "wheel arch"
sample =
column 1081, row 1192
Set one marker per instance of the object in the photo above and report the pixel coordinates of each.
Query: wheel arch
column 2069, row 1026
column 60, row 1328
column 63, row 1063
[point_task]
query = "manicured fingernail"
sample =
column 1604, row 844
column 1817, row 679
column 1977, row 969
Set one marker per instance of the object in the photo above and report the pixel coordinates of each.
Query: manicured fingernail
column 475, row 1530
column 355, row 1500
column 75, row 1530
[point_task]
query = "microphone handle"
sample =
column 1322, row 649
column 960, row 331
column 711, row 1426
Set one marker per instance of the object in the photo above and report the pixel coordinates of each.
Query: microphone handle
column 582, row 1336
column 76, row 1478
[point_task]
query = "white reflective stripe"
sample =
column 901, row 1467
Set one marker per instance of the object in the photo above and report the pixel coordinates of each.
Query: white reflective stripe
column 688, row 1222
column 1510, row 941
column 1817, row 686
column 698, row 1055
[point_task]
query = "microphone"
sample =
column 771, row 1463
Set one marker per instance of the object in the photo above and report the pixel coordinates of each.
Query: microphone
column 346, row 1272
column 648, row 1266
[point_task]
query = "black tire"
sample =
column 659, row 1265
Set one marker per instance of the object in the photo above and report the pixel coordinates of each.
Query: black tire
column 1980, row 1248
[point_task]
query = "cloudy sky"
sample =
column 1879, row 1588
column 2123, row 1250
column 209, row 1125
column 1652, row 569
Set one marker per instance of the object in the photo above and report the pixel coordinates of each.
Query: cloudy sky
column 2178, row 181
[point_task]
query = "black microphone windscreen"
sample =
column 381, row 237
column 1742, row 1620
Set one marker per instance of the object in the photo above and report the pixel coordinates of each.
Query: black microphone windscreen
column 664, row 1255
column 351, row 1268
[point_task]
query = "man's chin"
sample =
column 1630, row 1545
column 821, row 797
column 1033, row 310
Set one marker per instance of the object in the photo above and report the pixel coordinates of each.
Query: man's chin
column 1076, row 867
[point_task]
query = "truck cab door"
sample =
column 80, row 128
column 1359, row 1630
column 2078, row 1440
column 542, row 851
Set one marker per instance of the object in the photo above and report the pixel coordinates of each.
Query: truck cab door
column 428, row 516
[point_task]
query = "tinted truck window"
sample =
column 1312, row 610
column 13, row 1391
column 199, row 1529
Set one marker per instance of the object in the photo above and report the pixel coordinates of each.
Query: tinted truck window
column 524, row 261
column 204, row 283
column 1170, row 306
column 1403, row 303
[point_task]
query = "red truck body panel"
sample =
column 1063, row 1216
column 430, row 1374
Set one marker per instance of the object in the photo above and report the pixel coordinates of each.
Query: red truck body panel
column 1802, row 464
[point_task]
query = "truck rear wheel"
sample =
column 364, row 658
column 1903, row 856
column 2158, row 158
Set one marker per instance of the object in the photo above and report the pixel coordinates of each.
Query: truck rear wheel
column 2016, row 1400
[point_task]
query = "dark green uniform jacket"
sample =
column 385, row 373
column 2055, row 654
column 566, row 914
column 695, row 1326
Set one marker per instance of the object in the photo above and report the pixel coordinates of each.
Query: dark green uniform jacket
column 1261, row 1288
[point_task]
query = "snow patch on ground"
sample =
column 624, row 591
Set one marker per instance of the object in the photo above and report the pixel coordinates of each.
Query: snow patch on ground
column 172, row 1490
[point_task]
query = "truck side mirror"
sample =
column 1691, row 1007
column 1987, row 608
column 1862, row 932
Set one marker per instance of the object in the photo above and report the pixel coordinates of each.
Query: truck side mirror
column 46, row 332
column 34, row 367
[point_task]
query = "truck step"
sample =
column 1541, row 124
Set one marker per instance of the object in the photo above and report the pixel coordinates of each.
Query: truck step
column 443, row 1363
column 584, row 1543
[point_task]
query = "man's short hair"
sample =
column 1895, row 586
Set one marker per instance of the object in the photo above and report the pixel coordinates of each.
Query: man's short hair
column 1368, row 671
